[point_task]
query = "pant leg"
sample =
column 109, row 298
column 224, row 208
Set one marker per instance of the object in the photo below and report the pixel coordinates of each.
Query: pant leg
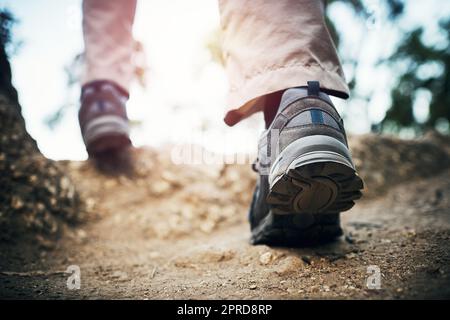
column 108, row 40
column 274, row 45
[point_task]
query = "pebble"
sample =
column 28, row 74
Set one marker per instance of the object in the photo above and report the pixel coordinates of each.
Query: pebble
column 120, row 275
column 266, row 258
column 349, row 239
column 351, row 255
column 306, row 259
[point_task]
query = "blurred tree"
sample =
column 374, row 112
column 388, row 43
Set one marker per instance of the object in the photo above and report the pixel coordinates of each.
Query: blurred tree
column 6, row 22
column 416, row 55
column 394, row 9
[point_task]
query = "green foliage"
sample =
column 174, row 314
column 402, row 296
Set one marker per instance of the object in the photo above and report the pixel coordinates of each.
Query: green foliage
column 408, row 62
column 418, row 55
column 6, row 22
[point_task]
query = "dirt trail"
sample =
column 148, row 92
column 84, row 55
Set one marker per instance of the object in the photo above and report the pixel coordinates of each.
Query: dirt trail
column 181, row 232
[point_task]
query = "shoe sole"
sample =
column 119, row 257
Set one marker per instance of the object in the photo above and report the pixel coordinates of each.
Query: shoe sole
column 296, row 230
column 106, row 133
column 314, row 175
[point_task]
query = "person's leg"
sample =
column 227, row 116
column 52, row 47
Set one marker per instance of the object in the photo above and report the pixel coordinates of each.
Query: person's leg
column 281, row 60
column 271, row 46
column 107, row 31
column 108, row 41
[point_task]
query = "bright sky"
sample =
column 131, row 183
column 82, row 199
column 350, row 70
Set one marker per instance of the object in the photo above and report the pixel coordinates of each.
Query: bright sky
column 186, row 88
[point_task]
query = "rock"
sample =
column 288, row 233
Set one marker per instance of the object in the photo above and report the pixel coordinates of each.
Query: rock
column 81, row 234
column 160, row 187
column 207, row 226
column 119, row 275
column 292, row 290
column 349, row 238
column 266, row 258
column 171, row 178
column 16, row 203
column 351, row 255
column 289, row 265
column 44, row 243
column 110, row 183
column 216, row 255
column 306, row 259
column 154, row 254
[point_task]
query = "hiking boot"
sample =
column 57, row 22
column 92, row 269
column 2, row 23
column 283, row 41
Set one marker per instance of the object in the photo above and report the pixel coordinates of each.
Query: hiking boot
column 103, row 117
column 307, row 176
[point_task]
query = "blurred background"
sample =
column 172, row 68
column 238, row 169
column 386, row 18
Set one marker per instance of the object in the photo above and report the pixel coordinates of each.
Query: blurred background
column 395, row 53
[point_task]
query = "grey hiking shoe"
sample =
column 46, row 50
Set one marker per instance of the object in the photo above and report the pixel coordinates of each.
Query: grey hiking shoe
column 103, row 118
column 307, row 176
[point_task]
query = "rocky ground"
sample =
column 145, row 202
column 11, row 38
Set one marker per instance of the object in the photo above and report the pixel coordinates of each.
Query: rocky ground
column 176, row 231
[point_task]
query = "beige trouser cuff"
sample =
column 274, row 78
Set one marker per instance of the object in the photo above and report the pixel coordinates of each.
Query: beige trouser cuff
column 274, row 45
